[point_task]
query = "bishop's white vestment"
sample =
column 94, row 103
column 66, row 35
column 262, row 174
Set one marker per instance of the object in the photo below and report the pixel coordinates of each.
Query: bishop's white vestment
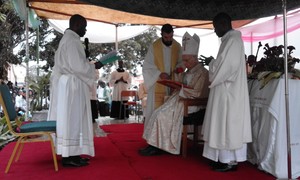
column 164, row 129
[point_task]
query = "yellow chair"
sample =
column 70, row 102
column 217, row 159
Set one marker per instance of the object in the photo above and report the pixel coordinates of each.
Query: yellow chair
column 39, row 131
column 195, row 119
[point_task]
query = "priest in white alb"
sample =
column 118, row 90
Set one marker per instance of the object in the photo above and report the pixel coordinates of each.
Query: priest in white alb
column 71, row 82
column 164, row 129
column 227, row 125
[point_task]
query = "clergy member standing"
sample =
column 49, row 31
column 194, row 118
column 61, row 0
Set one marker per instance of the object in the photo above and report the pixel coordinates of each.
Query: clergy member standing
column 161, row 60
column 71, row 81
column 227, row 127
column 164, row 130
column 120, row 80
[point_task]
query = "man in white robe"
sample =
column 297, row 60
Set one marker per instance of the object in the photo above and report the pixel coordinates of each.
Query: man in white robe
column 164, row 130
column 20, row 102
column 71, row 82
column 161, row 60
column 227, row 127
column 120, row 80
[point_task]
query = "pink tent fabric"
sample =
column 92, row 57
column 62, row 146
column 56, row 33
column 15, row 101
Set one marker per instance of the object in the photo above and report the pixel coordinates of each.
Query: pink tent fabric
column 271, row 28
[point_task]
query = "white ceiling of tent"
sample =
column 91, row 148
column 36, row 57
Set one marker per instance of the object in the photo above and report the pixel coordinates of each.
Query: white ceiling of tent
column 98, row 32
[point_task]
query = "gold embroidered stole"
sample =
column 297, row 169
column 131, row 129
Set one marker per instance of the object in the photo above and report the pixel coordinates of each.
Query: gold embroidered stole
column 160, row 90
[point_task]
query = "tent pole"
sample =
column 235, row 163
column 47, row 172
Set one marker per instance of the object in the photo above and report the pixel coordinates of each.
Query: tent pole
column 27, row 69
column 289, row 158
column 116, row 43
column 251, row 43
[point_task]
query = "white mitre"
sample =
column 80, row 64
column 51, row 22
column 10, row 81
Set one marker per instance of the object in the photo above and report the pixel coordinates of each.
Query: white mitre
column 190, row 44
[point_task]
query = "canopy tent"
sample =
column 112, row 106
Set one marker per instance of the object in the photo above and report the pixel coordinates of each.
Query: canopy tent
column 180, row 13
column 270, row 28
column 267, row 30
column 197, row 9
column 98, row 32
column 63, row 9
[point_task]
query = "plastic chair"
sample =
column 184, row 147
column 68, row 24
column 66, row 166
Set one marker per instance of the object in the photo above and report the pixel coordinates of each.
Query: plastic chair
column 126, row 103
column 195, row 119
column 38, row 131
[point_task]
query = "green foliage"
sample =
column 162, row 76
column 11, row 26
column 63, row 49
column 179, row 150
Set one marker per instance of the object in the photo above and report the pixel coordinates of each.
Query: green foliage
column 7, row 37
column 12, row 35
column 5, row 135
column 274, row 61
column 40, row 86
column 48, row 48
column 132, row 51
column 13, row 45
column 272, row 65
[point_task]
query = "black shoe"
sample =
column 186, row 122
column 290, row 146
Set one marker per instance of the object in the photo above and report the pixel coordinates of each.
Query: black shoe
column 73, row 162
column 215, row 165
column 221, row 167
column 145, row 149
column 80, row 159
column 85, row 159
column 150, row 151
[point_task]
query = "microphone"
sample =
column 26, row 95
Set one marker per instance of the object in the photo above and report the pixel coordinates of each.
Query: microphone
column 86, row 43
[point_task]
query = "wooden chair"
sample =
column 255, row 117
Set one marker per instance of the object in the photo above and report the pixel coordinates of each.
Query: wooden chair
column 38, row 131
column 126, row 103
column 195, row 119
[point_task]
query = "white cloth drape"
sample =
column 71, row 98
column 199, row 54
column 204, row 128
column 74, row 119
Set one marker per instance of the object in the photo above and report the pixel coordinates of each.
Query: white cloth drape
column 268, row 149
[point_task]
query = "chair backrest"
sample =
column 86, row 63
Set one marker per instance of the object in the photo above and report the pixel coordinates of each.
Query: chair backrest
column 129, row 93
column 7, row 105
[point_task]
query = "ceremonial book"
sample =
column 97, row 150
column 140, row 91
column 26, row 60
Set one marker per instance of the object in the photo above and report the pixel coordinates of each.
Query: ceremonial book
column 172, row 84
column 109, row 58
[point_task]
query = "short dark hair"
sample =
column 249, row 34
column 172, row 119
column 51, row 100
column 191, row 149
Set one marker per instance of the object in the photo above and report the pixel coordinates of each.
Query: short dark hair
column 75, row 19
column 222, row 17
column 167, row 28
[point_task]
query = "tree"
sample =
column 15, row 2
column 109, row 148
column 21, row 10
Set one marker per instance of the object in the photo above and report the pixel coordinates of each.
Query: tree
column 10, row 35
column 12, row 38
column 134, row 50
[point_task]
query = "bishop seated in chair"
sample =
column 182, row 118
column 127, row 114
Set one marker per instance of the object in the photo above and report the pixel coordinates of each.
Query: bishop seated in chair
column 164, row 130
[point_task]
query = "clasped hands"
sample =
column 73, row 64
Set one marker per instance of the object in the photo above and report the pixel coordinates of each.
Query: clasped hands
column 120, row 80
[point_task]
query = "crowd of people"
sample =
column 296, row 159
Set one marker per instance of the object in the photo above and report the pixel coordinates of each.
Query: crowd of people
column 18, row 94
column 226, row 128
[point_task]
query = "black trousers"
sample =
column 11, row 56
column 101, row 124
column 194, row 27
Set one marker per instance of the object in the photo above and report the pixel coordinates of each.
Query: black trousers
column 94, row 107
column 104, row 109
column 115, row 109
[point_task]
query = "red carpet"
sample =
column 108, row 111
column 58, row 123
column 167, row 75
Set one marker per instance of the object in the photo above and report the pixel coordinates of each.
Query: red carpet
column 128, row 139
column 117, row 159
